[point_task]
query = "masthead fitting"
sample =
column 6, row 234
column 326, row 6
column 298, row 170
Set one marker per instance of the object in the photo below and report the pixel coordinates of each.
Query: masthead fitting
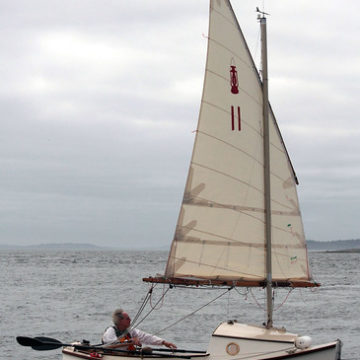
column 261, row 14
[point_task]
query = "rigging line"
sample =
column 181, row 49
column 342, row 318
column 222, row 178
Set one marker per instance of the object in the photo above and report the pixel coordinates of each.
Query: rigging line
column 146, row 300
column 228, row 306
column 162, row 300
column 256, row 50
column 245, row 294
column 152, row 308
column 257, row 303
column 314, row 290
column 163, row 295
column 140, row 309
column 284, row 301
column 192, row 313
column 302, row 297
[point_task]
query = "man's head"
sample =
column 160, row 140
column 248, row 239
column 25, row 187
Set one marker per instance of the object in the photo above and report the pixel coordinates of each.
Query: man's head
column 121, row 319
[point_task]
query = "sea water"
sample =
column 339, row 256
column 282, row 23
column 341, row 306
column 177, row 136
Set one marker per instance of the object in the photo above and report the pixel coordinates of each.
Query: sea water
column 70, row 295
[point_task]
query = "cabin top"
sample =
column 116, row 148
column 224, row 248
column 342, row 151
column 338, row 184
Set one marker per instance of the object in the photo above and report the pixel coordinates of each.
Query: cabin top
column 235, row 330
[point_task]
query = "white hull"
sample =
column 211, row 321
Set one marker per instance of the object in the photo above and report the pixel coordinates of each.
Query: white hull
column 69, row 354
column 323, row 352
column 233, row 341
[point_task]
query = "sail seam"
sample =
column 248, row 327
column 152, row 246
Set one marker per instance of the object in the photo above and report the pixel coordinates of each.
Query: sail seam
column 179, row 237
column 228, row 112
column 277, row 212
column 239, row 180
column 208, row 203
column 228, row 176
column 199, row 201
column 282, row 150
column 277, row 148
column 230, row 242
column 232, row 52
column 216, row 267
column 252, row 67
column 232, row 146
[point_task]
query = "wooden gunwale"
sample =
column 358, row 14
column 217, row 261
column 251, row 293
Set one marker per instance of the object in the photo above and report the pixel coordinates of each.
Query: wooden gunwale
column 231, row 283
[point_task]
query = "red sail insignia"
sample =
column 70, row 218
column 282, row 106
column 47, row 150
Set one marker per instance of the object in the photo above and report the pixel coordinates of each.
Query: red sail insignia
column 234, row 82
column 233, row 118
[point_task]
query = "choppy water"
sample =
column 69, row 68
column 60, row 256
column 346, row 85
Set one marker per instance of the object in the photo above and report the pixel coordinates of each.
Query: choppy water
column 70, row 296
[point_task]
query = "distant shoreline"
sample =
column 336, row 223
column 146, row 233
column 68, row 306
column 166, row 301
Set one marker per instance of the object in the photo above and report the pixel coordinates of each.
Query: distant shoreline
column 77, row 247
column 355, row 251
column 336, row 246
column 348, row 246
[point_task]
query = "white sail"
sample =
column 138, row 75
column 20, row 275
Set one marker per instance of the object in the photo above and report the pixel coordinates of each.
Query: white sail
column 220, row 236
column 220, row 232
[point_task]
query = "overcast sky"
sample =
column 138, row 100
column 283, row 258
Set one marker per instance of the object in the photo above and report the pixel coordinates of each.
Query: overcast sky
column 99, row 100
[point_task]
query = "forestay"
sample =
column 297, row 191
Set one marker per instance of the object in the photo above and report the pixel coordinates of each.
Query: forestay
column 220, row 233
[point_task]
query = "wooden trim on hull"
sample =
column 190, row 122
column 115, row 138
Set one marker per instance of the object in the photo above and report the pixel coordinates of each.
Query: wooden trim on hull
column 240, row 283
column 78, row 354
column 253, row 339
column 302, row 353
column 87, row 355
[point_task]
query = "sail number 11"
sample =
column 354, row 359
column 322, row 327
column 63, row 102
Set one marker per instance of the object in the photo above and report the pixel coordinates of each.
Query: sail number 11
column 233, row 118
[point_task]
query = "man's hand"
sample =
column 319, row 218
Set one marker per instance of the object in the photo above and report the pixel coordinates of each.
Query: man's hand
column 136, row 341
column 169, row 345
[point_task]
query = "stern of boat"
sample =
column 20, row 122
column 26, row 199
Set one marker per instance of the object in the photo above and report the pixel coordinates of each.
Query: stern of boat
column 233, row 341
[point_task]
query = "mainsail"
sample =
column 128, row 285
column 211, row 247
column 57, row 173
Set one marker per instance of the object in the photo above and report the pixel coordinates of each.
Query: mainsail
column 220, row 233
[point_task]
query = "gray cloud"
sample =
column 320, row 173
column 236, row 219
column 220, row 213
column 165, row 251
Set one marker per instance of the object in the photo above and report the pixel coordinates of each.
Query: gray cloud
column 99, row 99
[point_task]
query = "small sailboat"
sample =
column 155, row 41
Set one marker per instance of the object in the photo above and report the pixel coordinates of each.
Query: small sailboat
column 239, row 222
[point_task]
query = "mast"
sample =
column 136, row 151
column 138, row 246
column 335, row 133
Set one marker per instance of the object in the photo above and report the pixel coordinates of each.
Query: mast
column 266, row 169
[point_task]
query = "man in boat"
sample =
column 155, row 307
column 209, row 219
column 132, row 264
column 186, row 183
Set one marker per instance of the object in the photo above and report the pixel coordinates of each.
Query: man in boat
column 120, row 336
